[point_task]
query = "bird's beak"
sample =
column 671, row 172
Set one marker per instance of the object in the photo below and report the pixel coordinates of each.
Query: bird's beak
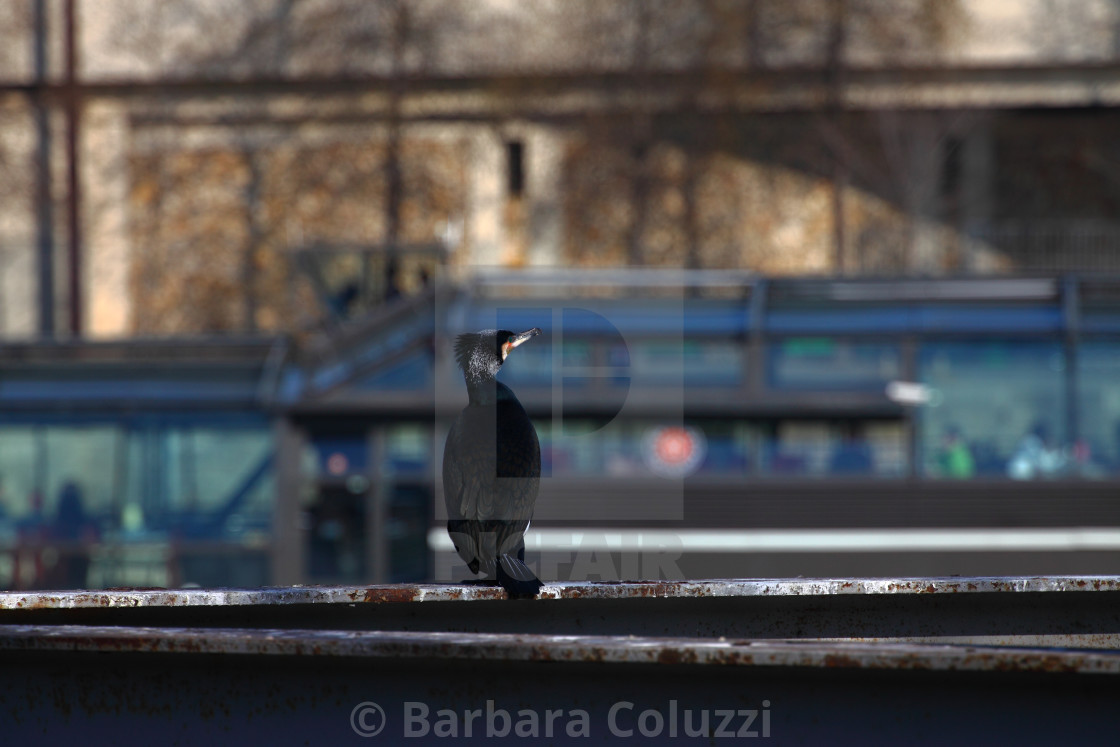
column 524, row 336
column 518, row 339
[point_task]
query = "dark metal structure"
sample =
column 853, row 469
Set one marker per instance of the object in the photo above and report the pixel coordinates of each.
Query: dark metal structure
column 998, row 660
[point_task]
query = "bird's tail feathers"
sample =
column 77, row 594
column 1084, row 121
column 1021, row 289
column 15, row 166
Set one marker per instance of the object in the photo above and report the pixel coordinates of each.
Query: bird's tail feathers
column 516, row 578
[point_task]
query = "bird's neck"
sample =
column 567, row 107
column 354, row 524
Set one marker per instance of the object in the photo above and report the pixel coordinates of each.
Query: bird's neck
column 482, row 392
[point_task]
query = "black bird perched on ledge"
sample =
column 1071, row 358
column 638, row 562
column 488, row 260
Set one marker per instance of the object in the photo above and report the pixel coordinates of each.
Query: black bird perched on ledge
column 492, row 466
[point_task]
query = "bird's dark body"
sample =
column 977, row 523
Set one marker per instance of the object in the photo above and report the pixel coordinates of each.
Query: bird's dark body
column 491, row 477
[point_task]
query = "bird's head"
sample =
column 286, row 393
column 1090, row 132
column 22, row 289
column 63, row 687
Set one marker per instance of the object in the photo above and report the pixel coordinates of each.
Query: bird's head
column 481, row 354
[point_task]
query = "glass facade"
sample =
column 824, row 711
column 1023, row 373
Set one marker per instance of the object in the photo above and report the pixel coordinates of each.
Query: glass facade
column 128, row 490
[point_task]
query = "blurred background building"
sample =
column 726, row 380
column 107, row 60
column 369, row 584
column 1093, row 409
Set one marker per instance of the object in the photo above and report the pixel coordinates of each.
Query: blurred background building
column 235, row 235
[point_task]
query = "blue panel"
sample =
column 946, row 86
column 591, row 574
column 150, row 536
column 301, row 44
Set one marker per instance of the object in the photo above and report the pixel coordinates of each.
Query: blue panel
column 894, row 319
column 982, row 319
column 840, row 320
column 60, row 390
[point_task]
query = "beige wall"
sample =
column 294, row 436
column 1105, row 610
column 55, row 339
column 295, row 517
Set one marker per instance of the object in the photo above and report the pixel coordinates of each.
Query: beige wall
column 191, row 199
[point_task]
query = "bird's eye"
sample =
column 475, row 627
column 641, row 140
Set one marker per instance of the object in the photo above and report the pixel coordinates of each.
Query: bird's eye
column 510, row 339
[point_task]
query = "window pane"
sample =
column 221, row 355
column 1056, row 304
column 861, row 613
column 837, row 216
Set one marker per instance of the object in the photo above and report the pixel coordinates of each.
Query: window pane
column 233, row 479
column 83, row 457
column 830, row 363
column 998, row 409
column 19, row 446
column 693, row 362
column 624, row 448
column 207, row 481
column 828, row 449
column 1098, row 370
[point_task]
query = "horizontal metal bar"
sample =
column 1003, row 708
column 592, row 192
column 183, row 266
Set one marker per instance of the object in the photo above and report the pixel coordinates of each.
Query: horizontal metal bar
column 497, row 647
column 623, row 277
column 1109, row 641
column 587, row 590
column 810, row 540
column 1067, row 611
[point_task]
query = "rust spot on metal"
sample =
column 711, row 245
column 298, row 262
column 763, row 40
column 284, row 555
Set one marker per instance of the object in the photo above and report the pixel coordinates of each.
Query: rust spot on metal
column 676, row 656
column 379, row 594
column 842, row 660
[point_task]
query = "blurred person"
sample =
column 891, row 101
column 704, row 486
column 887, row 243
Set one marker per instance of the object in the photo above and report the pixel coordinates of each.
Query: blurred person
column 954, row 459
column 1036, row 456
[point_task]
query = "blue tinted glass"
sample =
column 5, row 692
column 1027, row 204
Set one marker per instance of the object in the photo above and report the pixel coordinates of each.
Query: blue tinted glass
column 997, row 409
column 1098, row 403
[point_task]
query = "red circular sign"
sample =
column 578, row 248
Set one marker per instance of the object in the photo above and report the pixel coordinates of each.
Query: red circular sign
column 674, row 451
column 673, row 446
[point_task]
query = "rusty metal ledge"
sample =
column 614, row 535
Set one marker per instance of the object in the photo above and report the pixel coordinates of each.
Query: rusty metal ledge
column 389, row 593
column 492, row 647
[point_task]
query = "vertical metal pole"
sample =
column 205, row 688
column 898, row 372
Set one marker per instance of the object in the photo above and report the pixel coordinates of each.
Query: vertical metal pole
column 73, row 122
column 378, row 495
column 288, row 539
column 44, row 206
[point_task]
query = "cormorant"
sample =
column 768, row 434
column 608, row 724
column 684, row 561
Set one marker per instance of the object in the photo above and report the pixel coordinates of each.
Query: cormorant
column 492, row 466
